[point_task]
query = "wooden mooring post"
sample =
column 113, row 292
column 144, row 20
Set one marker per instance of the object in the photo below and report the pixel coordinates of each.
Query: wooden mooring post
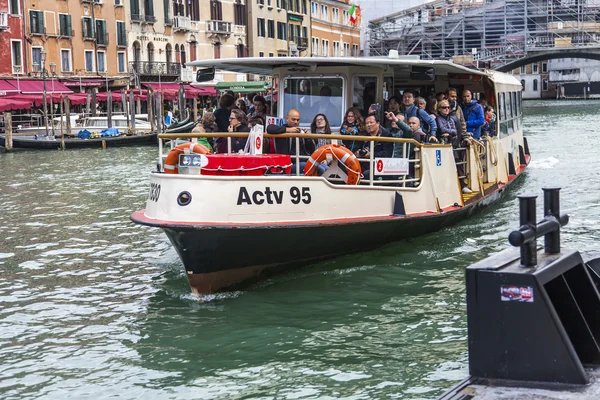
column 8, row 145
column 68, row 118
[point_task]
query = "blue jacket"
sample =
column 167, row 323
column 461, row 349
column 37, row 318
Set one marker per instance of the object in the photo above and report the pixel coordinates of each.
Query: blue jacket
column 473, row 113
column 428, row 123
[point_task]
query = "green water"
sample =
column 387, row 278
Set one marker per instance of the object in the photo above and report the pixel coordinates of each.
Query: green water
column 93, row 306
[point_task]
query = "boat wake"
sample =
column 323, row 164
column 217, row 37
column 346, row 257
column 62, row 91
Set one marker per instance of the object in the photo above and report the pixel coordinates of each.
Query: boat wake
column 544, row 163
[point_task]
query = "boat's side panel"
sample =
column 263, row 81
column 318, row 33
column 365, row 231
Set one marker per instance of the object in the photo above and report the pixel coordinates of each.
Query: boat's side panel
column 218, row 258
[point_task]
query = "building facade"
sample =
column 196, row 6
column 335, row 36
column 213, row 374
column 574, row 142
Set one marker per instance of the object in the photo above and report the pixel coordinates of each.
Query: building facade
column 151, row 44
column 278, row 28
column 81, row 39
column 333, row 35
column 11, row 38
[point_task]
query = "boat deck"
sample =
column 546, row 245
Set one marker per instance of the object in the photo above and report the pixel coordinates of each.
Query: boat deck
column 473, row 196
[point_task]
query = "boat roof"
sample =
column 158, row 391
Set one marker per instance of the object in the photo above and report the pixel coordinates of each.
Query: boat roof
column 265, row 65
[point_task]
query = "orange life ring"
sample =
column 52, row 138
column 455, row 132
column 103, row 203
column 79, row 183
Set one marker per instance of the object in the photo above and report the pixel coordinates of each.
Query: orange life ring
column 172, row 161
column 343, row 155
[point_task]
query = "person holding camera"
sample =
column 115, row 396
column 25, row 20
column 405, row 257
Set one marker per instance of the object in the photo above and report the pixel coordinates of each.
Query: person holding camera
column 380, row 149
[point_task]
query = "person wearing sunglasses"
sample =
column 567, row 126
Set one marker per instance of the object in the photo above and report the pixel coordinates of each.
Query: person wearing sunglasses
column 238, row 122
column 446, row 127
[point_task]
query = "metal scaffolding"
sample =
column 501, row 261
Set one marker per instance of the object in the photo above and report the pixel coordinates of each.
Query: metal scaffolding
column 494, row 31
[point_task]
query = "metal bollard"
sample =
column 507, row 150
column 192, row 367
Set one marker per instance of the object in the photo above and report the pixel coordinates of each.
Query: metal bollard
column 552, row 208
column 527, row 221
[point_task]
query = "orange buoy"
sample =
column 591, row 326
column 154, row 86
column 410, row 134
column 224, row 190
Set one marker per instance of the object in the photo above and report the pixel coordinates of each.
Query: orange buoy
column 342, row 154
column 172, row 161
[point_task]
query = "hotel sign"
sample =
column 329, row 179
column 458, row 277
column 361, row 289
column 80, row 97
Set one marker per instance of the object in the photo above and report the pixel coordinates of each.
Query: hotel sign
column 145, row 38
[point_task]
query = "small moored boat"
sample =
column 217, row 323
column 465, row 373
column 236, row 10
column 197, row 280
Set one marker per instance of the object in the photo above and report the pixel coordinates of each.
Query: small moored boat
column 232, row 216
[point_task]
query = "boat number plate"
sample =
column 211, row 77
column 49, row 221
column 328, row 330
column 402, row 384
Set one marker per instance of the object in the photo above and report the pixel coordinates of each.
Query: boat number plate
column 268, row 196
column 154, row 192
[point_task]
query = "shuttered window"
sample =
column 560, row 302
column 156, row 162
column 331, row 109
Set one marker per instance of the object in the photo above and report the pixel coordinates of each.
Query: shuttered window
column 87, row 28
column 121, row 34
column 36, row 21
column 101, row 36
column 66, row 29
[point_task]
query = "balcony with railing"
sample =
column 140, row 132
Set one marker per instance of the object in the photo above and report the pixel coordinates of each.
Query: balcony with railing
column 137, row 17
column 155, row 68
column 3, row 20
column 302, row 43
column 181, row 23
column 219, row 27
column 149, row 19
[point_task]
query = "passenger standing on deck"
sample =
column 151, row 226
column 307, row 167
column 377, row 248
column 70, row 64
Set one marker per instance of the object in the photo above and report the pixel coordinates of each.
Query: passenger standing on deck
column 489, row 128
column 409, row 109
column 226, row 103
column 452, row 96
column 393, row 107
column 446, row 132
column 260, row 108
column 473, row 113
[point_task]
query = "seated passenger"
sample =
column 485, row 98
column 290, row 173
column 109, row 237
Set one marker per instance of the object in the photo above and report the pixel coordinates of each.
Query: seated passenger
column 238, row 122
column 381, row 149
column 320, row 125
column 399, row 130
column 353, row 125
column 288, row 146
column 417, row 132
column 446, row 132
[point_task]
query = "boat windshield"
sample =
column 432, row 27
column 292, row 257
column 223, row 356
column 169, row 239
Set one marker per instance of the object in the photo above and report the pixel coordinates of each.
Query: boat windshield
column 314, row 95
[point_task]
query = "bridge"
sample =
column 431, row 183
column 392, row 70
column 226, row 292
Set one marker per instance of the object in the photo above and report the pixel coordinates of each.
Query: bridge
column 500, row 34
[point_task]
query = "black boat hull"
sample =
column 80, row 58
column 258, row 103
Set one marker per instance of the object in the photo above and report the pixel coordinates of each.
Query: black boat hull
column 40, row 144
column 218, row 257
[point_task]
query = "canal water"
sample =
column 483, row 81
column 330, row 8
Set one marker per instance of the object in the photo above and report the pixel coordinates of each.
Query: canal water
column 93, row 306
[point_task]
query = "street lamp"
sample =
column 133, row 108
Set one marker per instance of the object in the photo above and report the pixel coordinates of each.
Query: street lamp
column 43, row 59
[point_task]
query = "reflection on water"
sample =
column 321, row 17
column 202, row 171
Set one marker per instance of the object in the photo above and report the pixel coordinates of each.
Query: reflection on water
column 93, row 305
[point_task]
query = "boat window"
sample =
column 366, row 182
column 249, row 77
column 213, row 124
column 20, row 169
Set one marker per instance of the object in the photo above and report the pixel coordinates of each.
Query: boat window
column 274, row 96
column 364, row 92
column 312, row 96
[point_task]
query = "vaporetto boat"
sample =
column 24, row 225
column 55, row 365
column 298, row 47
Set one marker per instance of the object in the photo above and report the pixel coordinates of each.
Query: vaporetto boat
column 231, row 217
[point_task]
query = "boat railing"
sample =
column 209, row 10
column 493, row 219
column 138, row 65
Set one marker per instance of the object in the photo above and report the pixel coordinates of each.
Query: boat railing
column 403, row 148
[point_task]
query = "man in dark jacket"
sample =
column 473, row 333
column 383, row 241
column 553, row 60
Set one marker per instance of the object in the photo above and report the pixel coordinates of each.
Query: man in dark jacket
column 288, row 146
column 409, row 109
column 380, row 149
column 473, row 113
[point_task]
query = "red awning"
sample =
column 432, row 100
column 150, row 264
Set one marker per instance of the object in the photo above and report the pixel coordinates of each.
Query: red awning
column 37, row 87
column 12, row 104
column 206, row 90
column 77, row 99
column 84, row 83
column 7, row 87
column 163, row 86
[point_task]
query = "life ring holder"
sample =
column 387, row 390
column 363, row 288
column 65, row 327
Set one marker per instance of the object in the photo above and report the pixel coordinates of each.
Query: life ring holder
column 171, row 165
column 342, row 155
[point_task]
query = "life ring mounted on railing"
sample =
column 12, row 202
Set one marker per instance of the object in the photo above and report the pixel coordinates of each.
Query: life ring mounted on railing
column 342, row 154
column 171, row 165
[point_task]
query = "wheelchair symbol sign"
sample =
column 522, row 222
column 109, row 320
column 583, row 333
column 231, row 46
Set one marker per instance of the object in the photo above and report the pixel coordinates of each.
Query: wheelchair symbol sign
column 438, row 158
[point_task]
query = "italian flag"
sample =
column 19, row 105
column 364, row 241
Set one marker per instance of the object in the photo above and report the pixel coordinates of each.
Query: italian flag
column 354, row 14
